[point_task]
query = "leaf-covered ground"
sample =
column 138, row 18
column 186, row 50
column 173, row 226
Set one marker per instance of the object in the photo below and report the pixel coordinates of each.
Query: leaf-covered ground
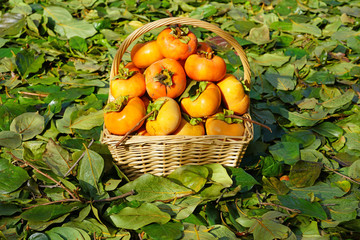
column 300, row 181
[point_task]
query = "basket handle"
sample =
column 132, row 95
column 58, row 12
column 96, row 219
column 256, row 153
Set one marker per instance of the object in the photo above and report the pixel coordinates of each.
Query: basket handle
column 187, row 21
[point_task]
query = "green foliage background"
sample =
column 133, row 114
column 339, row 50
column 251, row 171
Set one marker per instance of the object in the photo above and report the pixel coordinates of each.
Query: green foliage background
column 55, row 63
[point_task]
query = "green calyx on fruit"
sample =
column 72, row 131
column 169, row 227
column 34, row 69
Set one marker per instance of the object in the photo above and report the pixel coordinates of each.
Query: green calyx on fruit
column 192, row 120
column 117, row 105
column 155, row 108
column 181, row 33
column 124, row 72
column 228, row 117
column 194, row 89
column 164, row 77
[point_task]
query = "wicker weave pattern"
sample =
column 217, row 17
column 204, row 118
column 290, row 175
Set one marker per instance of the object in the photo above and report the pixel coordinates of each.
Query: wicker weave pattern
column 160, row 155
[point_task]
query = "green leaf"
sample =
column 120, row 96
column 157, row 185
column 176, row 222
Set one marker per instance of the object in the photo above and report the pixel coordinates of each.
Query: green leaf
column 353, row 140
column 57, row 158
column 354, row 170
column 285, row 7
column 134, row 218
column 303, row 119
column 10, row 139
column 280, row 82
column 181, row 208
column 38, row 236
column 275, row 186
column 88, row 120
column 150, row 188
column 192, row 231
column 67, row 233
column 63, row 124
column 78, row 43
column 306, row 28
column 28, row 125
column 270, row 59
column 90, row 225
column 320, row 190
column 268, row 227
column 219, row 174
column 89, row 171
column 167, row 231
column 190, row 176
column 48, row 212
column 304, row 173
column 11, row 24
column 27, row 63
column 271, row 167
column 222, row 232
column 260, row 35
column 66, row 25
column 311, row 209
column 328, row 129
column 298, row 53
column 42, row 225
column 339, row 101
column 287, row 152
column 7, row 209
column 321, row 77
column 341, row 209
column 242, row 179
column 11, row 177
column 204, row 11
column 304, row 137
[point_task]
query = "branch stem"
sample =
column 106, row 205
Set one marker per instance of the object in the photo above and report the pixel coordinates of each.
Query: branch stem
column 249, row 120
column 132, row 129
column 45, row 175
column 344, row 176
column 132, row 192
column 279, row 206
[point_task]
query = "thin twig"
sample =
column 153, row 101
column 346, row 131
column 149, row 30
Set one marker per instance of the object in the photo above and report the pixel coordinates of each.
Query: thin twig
column 44, row 174
column 344, row 164
column 132, row 192
column 344, row 176
column 53, row 202
column 132, row 129
column 72, row 167
column 77, row 161
column 249, row 120
column 279, row 206
column 275, row 205
column 221, row 196
column 35, row 94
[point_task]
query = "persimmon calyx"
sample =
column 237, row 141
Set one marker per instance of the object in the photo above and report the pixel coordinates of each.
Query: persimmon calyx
column 124, row 72
column 155, row 108
column 207, row 55
column 194, row 90
column 164, row 77
column 117, row 105
column 224, row 117
column 192, row 120
column 181, row 33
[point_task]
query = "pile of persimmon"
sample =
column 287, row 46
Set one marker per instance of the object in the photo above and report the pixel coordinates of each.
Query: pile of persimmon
column 175, row 85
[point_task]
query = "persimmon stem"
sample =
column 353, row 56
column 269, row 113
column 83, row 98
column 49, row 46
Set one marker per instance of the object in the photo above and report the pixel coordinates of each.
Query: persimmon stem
column 44, row 174
column 132, row 129
column 249, row 120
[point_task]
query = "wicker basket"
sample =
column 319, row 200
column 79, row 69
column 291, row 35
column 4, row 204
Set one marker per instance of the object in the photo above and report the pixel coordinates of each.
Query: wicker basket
column 160, row 155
